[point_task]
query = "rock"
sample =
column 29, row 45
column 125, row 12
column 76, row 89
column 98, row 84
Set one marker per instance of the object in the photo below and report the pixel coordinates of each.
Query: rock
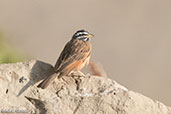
column 72, row 94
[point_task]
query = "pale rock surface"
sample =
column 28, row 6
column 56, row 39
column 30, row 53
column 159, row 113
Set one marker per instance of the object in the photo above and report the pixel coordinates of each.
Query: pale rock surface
column 73, row 94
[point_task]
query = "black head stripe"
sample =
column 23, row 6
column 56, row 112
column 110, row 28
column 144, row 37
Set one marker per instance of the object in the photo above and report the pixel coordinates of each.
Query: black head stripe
column 81, row 35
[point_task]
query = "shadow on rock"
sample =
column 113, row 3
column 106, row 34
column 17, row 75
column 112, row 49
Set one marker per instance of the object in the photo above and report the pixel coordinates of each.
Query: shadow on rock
column 39, row 72
column 38, row 104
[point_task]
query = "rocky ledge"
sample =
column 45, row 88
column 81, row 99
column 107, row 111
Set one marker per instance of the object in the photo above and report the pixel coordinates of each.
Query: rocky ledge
column 72, row 94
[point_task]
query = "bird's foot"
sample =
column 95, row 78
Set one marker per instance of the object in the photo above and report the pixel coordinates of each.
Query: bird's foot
column 77, row 74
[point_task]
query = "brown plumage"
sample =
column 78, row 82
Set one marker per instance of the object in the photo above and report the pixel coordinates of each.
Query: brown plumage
column 75, row 56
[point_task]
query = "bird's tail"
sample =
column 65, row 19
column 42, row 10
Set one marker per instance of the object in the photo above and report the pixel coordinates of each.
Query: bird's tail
column 45, row 83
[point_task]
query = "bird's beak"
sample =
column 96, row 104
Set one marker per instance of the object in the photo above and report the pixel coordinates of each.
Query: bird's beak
column 90, row 35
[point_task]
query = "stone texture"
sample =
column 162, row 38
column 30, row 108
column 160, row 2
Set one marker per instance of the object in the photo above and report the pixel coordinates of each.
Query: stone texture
column 73, row 94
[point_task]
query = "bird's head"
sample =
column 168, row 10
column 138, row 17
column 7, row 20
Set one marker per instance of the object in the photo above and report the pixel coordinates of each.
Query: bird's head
column 82, row 35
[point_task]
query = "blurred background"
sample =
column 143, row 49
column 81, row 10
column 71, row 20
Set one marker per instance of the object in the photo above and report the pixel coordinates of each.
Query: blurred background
column 132, row 37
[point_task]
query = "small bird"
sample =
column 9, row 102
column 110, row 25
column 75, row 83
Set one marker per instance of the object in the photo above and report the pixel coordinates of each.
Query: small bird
column 75, row 56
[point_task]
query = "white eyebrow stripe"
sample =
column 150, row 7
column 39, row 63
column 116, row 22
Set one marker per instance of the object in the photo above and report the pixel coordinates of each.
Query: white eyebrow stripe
column 80, row 33
column 85, row 32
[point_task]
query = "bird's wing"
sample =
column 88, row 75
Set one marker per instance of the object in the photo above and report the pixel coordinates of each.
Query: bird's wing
column 73, row 52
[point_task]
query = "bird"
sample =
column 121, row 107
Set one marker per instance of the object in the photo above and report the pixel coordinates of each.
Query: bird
column 75, row 55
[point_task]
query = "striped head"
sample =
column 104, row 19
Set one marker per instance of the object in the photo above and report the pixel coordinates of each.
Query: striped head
column 82, row 35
